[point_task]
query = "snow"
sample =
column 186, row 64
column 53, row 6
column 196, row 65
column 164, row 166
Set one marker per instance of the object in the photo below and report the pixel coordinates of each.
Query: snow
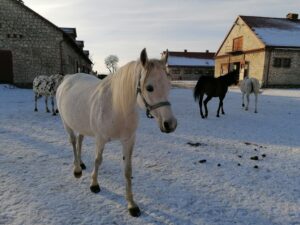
column 186, row 61
column 279, row 37
column 170, row 185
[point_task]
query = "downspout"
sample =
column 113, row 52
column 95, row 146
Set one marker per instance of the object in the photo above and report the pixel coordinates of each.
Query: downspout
column 268, row 68
column 61, row 56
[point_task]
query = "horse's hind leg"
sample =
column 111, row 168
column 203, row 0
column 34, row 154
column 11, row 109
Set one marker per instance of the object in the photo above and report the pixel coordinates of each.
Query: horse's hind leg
column 35, row 102
column 79, row 147
column 243, row 96
column 255, row 102
column 46, row 103
column 77, row 169
column 127, row 154
column 248, row 99
column 99, row 151
column 200, row 105
column 208, row 98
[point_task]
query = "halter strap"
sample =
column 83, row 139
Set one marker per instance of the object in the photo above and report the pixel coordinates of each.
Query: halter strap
column 147, row 105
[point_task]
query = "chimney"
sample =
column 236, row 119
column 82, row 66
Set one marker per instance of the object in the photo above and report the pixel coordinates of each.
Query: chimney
column 185, row 50
column 207, row 51
column 292, row 16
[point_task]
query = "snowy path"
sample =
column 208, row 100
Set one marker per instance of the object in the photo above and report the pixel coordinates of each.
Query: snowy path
column 170, row 185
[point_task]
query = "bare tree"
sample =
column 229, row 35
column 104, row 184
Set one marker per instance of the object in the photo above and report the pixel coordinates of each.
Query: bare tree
column 21, row 1
column 111, row 63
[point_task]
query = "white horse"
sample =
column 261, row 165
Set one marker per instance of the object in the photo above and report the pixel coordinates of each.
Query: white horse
column 107, row 110
column 46, row 86
column 249, row 85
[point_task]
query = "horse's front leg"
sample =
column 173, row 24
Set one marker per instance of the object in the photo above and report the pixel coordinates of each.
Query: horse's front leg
column 46, row 104
column 220, row 107
column 35, row 102
column 99, row 151
column 127, row 154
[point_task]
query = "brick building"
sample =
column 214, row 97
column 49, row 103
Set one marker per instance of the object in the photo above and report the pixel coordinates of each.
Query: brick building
column 189, row 65
column 30, row 45
column 262, row 47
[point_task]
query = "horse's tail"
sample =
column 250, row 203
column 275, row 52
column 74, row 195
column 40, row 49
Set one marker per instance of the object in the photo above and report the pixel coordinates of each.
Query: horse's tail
column 197, row 89
column 252, row 87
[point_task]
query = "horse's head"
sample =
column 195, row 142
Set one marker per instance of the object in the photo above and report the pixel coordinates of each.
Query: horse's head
column 153, row 90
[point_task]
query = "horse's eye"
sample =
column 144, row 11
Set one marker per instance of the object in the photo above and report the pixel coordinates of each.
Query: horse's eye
column 149, row 88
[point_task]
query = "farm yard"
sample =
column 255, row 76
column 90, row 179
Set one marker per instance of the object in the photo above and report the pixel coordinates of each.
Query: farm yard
column 241, row 168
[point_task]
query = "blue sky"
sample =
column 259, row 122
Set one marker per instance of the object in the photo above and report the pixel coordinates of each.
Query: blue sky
column 125, row 27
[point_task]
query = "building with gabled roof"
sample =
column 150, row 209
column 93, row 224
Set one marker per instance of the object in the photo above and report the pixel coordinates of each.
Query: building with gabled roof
column 262, row 47
column 31, row 45
column 189, row 65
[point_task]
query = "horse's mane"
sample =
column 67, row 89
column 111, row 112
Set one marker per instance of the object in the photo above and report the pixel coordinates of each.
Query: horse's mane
column 124, row 84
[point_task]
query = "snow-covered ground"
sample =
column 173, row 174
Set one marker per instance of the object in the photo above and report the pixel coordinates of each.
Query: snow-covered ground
column 170, row 185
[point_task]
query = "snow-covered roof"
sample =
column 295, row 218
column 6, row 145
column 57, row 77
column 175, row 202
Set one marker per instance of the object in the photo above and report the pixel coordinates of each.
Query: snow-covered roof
column 187, row 61
column 275, row 31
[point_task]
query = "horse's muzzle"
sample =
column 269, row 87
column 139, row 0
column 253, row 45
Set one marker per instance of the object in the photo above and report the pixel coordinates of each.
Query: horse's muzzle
column 168, row 126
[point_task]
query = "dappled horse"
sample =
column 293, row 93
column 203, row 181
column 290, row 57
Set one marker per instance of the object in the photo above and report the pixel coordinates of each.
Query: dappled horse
column 214, row 87
column 107, row 110
column 46, row 86
column 249, row 85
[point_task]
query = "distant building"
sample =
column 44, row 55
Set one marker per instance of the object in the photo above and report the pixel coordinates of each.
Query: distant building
column 30, row 45
column 262, row 47
column 189, row 65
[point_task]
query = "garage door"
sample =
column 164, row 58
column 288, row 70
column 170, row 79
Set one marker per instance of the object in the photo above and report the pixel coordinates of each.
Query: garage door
column 6, row 71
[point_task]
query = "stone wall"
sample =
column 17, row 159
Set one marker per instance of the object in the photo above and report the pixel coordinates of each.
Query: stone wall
column 189, row 73
column 283, row 76
column 35, row 43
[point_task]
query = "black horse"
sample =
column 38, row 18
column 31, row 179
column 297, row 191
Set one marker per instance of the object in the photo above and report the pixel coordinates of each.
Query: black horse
column 214, row 87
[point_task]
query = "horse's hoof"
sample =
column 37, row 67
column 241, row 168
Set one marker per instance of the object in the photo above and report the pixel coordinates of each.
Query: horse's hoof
column 53, row 114
column 255, row 111
column 218, row 116
column 35, row 110
column 57, row 111
column 82, row 165
column 95, row 189
column 135, row 212
column 243, row 105
column 77, row 174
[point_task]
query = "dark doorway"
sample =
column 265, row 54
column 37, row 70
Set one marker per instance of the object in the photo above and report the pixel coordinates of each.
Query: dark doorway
column 6, row 67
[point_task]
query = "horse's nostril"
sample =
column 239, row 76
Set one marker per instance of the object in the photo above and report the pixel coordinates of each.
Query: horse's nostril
column 166, row 125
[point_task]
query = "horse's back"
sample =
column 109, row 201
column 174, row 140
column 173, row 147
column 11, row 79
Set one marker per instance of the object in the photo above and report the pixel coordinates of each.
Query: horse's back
column 39, row 84
column 256, row 85
column 250, row 85
column 74, row 100
column 77, row 87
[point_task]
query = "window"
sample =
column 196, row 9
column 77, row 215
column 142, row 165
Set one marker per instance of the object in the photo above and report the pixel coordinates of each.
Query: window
column 286, row 63
column 282, row 62
column 188, row 71
column 237, row 44
column 175, row 71
column 277, row 62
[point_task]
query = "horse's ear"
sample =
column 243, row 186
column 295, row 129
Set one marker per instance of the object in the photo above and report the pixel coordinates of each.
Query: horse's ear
column 144, row 58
